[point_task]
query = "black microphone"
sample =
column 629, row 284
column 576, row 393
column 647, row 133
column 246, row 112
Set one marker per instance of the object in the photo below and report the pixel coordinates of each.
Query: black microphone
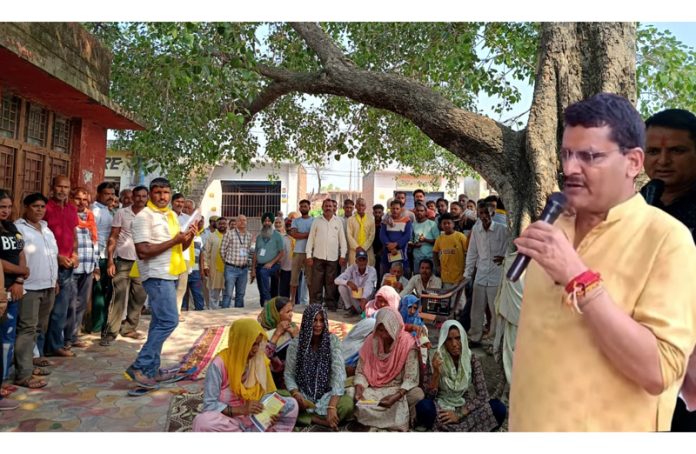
column 554, row 207
column 652, row 192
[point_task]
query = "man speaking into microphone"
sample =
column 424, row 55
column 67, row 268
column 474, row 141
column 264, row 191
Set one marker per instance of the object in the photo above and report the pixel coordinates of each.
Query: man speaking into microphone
column 601, row 346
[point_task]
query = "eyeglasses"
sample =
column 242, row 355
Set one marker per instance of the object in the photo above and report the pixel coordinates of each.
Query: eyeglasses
column 585, row 157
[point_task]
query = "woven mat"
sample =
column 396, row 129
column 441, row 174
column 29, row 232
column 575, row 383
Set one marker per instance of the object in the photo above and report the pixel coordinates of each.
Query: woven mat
column 214, row 339
column 183, row 408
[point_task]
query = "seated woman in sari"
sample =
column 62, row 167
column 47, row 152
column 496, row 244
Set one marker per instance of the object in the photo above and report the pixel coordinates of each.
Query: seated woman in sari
column 458, row 398
column 235, row 383
column 353, row 342
column 315, row 374
column 386, row 379
column 385, row 296
column 276, row 319
column 413, row 323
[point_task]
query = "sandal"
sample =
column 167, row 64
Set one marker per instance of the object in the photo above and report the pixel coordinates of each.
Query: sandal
column 6, row 390
column 41, row 372
column 43, row 362
column 31, row 383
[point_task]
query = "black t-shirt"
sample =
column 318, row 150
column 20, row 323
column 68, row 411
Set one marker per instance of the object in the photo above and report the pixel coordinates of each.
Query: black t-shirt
column 11, row 245
column 683, row 209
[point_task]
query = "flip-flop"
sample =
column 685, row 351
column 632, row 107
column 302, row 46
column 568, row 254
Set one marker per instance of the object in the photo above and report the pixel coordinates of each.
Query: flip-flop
column 27, row 383
column 42, row 362
column 140, row 391
column 182, row 375
column 169, row 370
column 41, row 372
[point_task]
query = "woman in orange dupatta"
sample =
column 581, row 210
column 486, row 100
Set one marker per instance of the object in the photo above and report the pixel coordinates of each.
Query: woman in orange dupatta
column 235, row 383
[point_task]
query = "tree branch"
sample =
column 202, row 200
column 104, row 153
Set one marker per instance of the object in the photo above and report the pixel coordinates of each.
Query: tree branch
column 328, row 52
column 478, row 140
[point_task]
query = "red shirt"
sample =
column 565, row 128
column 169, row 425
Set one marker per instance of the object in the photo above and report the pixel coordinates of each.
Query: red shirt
column 62, row 221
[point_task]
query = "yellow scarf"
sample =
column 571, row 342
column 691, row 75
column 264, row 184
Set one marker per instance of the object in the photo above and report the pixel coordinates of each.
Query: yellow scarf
column 134, row 272
column 242, row 335
column 177, row 265
column 219, row 264
column 362, row 235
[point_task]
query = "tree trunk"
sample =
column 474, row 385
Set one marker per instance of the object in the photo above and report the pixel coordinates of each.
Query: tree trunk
column 576, row 61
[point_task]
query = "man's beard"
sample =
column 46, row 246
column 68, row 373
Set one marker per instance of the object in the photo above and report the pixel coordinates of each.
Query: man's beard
column 266, row 232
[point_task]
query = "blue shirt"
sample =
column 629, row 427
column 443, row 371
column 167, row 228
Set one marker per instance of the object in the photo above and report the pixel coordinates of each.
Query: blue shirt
column 303, row 226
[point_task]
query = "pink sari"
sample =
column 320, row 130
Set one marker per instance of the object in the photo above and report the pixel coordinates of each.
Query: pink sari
column 389, row 294
column 381, row 367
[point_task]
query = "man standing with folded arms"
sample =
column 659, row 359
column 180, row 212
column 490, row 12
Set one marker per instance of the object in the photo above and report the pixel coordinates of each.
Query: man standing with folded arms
column 159, row 244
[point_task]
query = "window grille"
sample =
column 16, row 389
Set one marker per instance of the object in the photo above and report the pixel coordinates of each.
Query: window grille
column 61, row 134
column 7, row 161
column 37, row 125
column 9, row 116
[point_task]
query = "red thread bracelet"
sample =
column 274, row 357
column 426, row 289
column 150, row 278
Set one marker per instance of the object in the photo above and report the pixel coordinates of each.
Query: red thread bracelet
column 582, row 281
column 579, row 286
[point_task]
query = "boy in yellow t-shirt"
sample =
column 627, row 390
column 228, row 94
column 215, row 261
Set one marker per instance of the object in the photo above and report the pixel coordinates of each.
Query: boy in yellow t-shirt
column 449, row 252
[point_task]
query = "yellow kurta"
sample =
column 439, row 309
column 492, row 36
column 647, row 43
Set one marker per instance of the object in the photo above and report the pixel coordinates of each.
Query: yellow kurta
column 216, row 279
column 353, row 227
column 561, row 381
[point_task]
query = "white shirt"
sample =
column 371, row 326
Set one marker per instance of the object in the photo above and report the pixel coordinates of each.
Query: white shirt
column 286, row 261
column 125, row 248
column 416, row 283
column 41, row 251
column 103, row 219
column 327, row 240
column 151, row 226
column 183, row 218
column 483, row 246
column 366, row 281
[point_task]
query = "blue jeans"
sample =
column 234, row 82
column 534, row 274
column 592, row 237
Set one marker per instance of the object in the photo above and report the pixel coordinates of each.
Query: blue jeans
column 165, row 318
column 195, row 285
column 78, row 306
column 235, row 278
column 263, row 280
column 8, row 336
column 56, row 325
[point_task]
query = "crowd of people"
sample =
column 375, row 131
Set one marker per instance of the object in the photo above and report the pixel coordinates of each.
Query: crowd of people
column 611, row 281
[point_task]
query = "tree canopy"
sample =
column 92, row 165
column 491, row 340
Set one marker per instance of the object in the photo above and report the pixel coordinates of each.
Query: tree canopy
column 222, row 92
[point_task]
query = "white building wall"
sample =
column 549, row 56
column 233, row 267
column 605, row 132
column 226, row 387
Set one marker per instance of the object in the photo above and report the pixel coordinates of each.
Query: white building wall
column 290, row 202
column 385, row 183
column 285, row 173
